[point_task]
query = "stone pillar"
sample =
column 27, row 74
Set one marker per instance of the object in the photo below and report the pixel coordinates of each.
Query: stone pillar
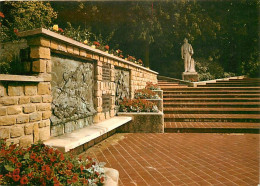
column 190, row 76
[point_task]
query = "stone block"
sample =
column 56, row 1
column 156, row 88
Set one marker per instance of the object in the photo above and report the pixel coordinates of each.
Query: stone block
column 3, row 111
column 37, row 116
column 46, row 115
column 70, row 49
column 7, row 120
column 39, row 52
column 30, row 90
column 62, row 47
column 12, row 110
column 24, row 100
column 15, row 90
column 143, row 122
column 48, row 66
column 27, row 109
column 44, row 88
column 88, row 55
column 39, row 66
column 54, row 45
column 36, row 99
column 76, row 50
column 16, row 131
column 36, row 136
column 82, row 53
column 12, row 141
column 97, row 93
column 44, row 133
column 23, row 118
column 26, row 141
column 2, row 90
column 47, row 99
column 69, row 127
column 107, row 115
column 44, row 123
column 190, row 76
column 28, row 128
column 57, row 130
column 43, row 107
column 4, row 133
column 112, row 113
column 45, row 42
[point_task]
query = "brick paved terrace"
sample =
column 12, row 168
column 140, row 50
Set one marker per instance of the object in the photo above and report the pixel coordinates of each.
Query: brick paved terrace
column 181, row 158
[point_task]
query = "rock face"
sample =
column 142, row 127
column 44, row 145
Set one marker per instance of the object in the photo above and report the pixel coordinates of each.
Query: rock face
column 122, row 81
column 72, row 91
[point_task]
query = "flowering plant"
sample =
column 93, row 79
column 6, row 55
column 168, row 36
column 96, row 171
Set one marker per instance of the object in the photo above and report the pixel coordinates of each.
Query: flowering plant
column 106, row 47
column 43, row 165
column 137, row 105
column 151, row 86
column 97, row 44
column 140, row 62
column 131, row 58
column 145, row 94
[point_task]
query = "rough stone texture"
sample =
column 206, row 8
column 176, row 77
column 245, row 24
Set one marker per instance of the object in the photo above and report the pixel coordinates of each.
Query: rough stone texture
column 3, row 111
column 36, row 99
column 24, row 118
column 122, row 85
column 30, row 90
column 44, row 88
column 4, row 133
column 40, row 52
column 43, row 107
column 26, row 141
column 72, row 91
column 9, row 100
column 44, row 133
column 7, row 120
column 39, row 66
column 13, row 110
column 37, row 116
column 27, row 109
column 36, row 135
column 47, row 99
column 57, row 130
column 15, row 90
column 16, row 131
column 146, row 122
column 24, row 100
column 28, row 129
column 46, row 114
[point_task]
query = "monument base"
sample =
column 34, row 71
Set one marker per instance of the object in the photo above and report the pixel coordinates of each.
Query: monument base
column 190, row 76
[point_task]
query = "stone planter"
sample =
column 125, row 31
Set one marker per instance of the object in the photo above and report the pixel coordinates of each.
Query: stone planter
column 112, row 176
column 158, row 103
column 159, row 93
column 143, row 122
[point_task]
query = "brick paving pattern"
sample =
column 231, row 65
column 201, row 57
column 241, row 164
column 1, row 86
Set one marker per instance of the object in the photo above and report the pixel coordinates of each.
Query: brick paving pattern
column 181, row 159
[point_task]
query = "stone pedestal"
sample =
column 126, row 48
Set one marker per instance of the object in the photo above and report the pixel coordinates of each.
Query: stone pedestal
column 190, row 76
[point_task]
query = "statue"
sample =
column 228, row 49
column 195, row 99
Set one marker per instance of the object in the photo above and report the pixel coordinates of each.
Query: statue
column 186, row 53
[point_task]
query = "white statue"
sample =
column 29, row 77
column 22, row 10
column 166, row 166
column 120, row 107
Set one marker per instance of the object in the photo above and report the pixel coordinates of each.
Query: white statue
column 186, row 53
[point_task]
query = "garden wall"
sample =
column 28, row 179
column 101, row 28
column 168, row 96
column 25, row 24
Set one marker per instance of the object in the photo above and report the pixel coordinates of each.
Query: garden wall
column 73, row 85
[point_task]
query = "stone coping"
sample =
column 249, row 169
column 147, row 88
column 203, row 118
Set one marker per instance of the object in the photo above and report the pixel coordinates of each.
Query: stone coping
column 8, row 77
column 43, row 31
column 79, row 137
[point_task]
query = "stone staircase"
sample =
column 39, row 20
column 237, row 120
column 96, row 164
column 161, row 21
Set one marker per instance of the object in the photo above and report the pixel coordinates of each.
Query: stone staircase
column 231, row 106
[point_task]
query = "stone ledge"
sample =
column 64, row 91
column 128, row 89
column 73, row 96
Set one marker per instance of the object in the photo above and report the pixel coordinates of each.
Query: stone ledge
column 43, row 31
column 79, row 137
column 8, row 77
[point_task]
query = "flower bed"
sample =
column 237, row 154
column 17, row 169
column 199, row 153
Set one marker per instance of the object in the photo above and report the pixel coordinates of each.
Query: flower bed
column 157, row 102
column 145, row 94
column 42, row 165
column 152, row 86
column 137, row 105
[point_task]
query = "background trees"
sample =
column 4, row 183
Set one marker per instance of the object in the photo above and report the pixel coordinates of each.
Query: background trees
column 224, row 34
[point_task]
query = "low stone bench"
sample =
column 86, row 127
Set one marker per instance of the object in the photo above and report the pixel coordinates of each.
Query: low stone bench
column 81, row 137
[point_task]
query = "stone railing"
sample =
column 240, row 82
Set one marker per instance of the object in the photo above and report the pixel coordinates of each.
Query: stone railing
column 73, row 86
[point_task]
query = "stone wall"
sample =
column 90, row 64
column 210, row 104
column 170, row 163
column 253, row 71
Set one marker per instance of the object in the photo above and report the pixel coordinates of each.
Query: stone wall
column 36, row 101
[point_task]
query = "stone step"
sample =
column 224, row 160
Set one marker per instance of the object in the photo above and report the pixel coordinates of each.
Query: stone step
column 222, row 92
column 211, row 110
column 82, row 136
column 211, row 96
column 211, row 127
column 184, row 89
column 210, row 100
column 254, row 118
column 229, row 85
column 211, row 105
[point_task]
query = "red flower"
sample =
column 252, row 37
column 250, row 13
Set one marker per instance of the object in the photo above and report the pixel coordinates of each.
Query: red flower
column 62, row 157
column 16, row 177
column 69, row 181
column 53, row 159
column 61, row 30
column 70, row 166
column 24, row 180
column 107, row 47
column 121, row 56
column 30, row 174
column 74, row 179
column 16, row 171
column 38, row 159
column 102, row 179
column 15, row 31
column 96, row 43
column 18, row 165
column 2, row 15
column 32, row 156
